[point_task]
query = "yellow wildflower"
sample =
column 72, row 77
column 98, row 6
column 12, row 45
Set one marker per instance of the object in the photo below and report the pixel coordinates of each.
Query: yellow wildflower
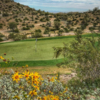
column 33, row 93
column 50, row 92
column 16, row 77
column 52, row 79
column 39, row 98
column 35, row 82
column 17, row 97
column 1, row 57
column 6, row 62
column 55, row 98
column 26, row 65
column 35, row 75
column 44, row 98
column 26, row 75
column 36, row 87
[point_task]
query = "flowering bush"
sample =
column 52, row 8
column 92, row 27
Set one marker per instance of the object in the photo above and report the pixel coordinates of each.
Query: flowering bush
column 31, row 86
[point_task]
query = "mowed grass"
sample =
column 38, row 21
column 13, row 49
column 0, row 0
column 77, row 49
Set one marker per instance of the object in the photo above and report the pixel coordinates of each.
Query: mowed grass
column 30, row 50
column 24, row 52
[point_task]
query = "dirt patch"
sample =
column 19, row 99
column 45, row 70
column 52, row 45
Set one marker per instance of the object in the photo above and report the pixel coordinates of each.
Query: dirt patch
column 65, row 73
column 10, row 40
column 65, row 78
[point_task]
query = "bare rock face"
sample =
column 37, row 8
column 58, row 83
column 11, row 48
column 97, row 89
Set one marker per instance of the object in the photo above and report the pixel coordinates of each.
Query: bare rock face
column 65, row 78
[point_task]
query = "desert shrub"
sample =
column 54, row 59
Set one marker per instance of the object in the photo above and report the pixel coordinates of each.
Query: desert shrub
column 37, row 34
column 16, row 30
column 60, row 32
column 41, row 19
column 66, row 29
column 15, row 16
column 1, row 35
column 95, row 24
column 71, row 29
column 11, row 36
column 32, row 87
column 26, row 28
column 91, row 28
column 62, row 26
column 83, row 27
column 85, row 89
column 48, row 24
column 35, row 21
column 99, row 28
column 50, row 16
column 12, row 25
column 52, row 29
column 85, row 52
column 1, row 25
column 16, row 20
column 20, row 20
column 23, row 37
column 57, row 19
column 46, row 30
column 23, row 24
column 26, row 18
column 57, row 24
column 31, row 26
column 36, row 18
column 47, row 18
column 1, row 39
column 17, row 37
column 43, row 25
column 5, row 14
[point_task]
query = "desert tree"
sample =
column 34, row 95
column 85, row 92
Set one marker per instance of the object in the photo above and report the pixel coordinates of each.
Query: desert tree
column 57, row 24
column 12, row 25
column 83, row 56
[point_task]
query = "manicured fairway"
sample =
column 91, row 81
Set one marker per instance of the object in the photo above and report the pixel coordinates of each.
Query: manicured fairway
column 25, row 52
column 28, row 51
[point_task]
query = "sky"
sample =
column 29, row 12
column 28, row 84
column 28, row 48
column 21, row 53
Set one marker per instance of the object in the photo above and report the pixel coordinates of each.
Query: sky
column 61, row 5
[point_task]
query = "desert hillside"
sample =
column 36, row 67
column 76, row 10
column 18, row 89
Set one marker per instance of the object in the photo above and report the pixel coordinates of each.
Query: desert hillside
column 19, row 22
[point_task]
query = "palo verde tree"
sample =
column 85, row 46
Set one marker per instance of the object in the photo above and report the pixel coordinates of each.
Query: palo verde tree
column 83, row 56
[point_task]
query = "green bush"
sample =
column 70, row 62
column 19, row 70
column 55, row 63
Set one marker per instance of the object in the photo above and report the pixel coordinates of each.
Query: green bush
column 23, row 24
column 46, row 31
column 52, row 29
column 1, row 35
column 66, row 29
column 25, row 28
column 16, row 30
column 35, row 21
column 12, row 25
column 1, row 25
column 17, row 37
column 1, row 39
column 37, row 34
column 85, row 52
column 91, row 28
column 57, row 25
column 5, row 14
column 11, row 36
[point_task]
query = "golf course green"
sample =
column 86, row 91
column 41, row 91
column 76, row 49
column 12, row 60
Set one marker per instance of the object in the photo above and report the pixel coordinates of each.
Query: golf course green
column 34, row 53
